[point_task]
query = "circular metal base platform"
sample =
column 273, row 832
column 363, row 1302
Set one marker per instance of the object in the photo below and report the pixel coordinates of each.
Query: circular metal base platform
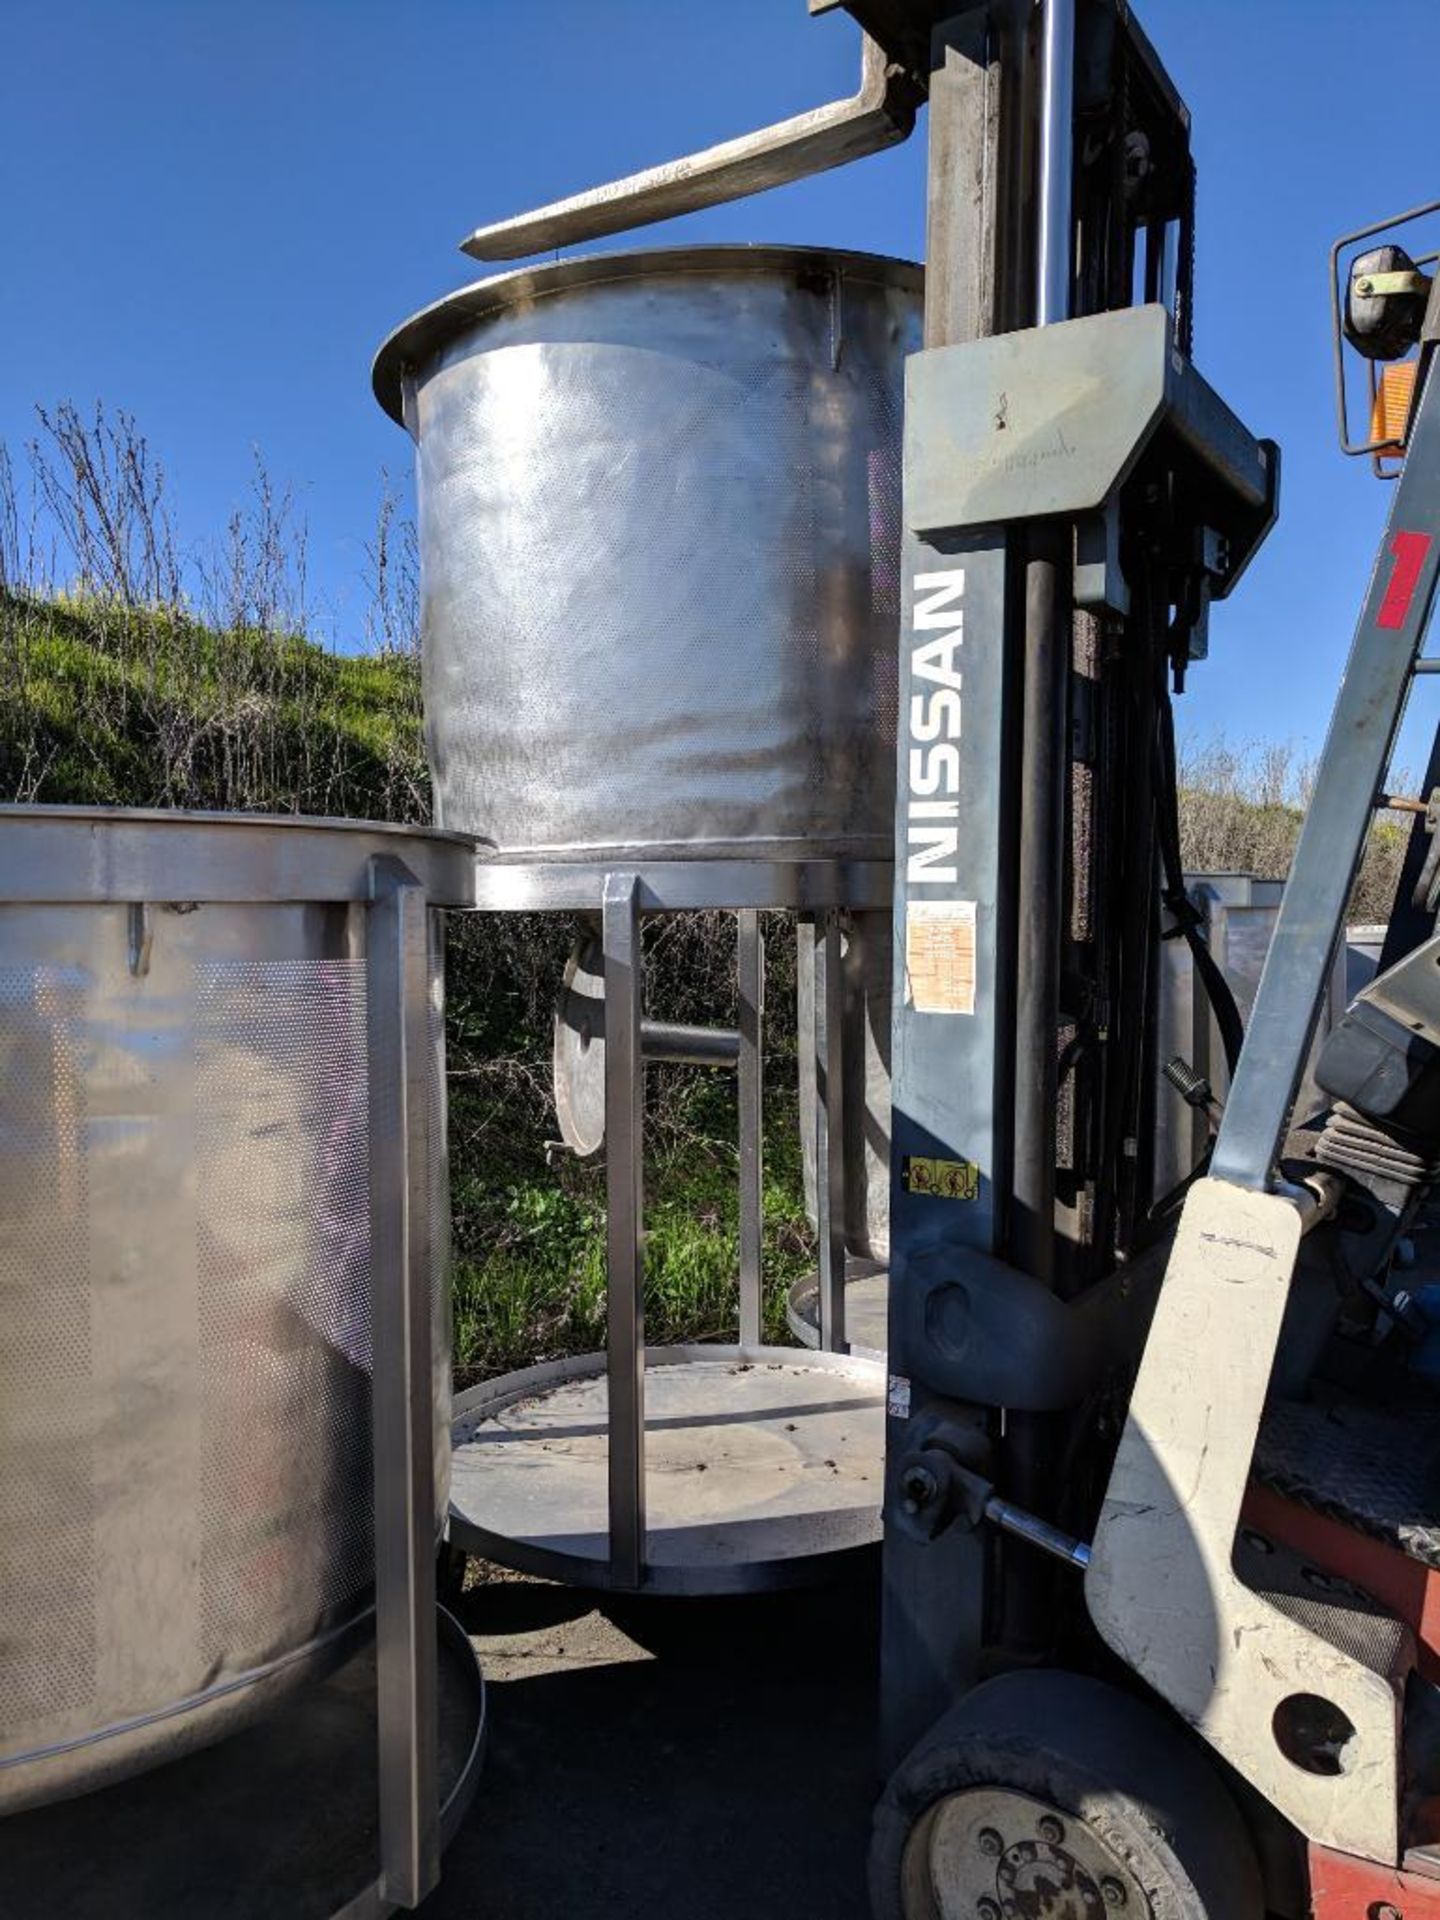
column 765, row 1467
column 867, row 1306
column 278, row 1822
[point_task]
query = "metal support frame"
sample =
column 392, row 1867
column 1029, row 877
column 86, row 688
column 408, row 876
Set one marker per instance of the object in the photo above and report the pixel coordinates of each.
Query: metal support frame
column 746, row 888
column 750, row 969
column 624, row 1225
column 1057, row 155
column 1040, row 880
column 620, row 1559
column 625, row 1056
column 397, row 982
column 1045, row 714
column 1041, row 893
column 1351, row 772
column 830, row 1129
column 949, row 1050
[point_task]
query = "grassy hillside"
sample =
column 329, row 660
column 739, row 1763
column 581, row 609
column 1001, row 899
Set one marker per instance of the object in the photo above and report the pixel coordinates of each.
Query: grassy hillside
column 110, row 705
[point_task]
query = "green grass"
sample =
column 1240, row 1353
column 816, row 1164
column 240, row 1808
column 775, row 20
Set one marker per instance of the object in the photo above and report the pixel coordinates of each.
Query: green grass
column 115, row 706
column 531, row 1286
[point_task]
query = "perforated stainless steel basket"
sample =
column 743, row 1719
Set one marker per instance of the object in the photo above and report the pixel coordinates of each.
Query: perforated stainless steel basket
column 659, row 501
column 186, row 1008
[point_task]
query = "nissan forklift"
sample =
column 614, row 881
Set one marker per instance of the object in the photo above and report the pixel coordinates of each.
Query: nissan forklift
column 1161, row 1564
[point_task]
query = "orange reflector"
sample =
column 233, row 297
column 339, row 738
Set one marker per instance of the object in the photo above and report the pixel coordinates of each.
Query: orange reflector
column 1390, row 414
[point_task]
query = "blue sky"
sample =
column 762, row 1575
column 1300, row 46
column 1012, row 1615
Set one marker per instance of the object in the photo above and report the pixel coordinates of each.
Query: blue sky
column 214, row 211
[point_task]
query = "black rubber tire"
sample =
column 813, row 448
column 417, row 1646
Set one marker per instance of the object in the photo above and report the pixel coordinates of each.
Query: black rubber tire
column 1142, row 1785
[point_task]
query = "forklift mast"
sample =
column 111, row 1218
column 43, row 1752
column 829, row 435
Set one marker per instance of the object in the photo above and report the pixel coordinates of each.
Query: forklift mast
column 1075, row 496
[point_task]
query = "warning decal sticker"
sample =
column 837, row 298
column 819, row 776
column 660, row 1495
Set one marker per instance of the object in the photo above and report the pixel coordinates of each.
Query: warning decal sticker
column 940, row 956
column 942, row 1179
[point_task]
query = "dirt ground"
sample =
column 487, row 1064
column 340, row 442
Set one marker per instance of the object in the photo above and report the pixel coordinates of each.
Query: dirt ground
column 702, row 1759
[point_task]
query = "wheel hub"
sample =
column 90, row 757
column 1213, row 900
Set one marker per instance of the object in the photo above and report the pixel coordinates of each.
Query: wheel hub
column 1035, row 1879
column 991, row 1854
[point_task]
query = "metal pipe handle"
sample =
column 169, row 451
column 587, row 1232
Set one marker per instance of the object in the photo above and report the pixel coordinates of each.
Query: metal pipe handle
column 667, row 1043
column 880, row 114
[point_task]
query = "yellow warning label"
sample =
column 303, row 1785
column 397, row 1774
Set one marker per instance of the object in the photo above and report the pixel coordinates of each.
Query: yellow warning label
column 944, row 1179
column 940, row 956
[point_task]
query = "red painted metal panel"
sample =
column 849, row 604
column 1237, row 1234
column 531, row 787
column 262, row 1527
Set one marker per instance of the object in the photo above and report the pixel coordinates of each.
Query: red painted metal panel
column 1410, row 551
column 1343, row 1888
column 1410, row 1590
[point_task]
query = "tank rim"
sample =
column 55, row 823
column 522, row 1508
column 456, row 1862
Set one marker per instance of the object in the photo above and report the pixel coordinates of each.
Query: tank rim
column 215, row 817
column 434, row 326
column 109, row 855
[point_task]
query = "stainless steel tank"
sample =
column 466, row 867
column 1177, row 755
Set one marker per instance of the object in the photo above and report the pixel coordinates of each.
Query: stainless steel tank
column 185, row 1280
column 659, row 506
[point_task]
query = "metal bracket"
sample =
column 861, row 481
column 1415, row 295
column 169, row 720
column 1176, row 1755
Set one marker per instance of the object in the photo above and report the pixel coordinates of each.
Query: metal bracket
column 624, row 1227
column 830, row 1129
column 750, row 970
column 987, row 1334
column 880, row 114
column 1049, row 422
column 140, row 937
column 1382, row 283
column 1388, row 639
column 1379, row 284
column 397, row 991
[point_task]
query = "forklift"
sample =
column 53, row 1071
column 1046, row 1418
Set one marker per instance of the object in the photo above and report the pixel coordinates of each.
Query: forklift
column 1161, row 1561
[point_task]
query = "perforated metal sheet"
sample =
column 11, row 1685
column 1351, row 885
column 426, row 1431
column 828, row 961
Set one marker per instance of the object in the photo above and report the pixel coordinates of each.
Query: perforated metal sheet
column 283, row 1270
column 47, row 1492
column 185, row 1324
column 659, row 523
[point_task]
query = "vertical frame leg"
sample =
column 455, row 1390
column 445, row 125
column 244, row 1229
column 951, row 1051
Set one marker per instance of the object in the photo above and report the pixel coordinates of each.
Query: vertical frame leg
column 751, row 971
column 625, row 1203
column 397, row 983
column 830, row 1130
column 1367, row 715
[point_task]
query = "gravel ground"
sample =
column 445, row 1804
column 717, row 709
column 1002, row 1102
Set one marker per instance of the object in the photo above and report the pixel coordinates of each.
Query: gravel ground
column 702, row 1759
